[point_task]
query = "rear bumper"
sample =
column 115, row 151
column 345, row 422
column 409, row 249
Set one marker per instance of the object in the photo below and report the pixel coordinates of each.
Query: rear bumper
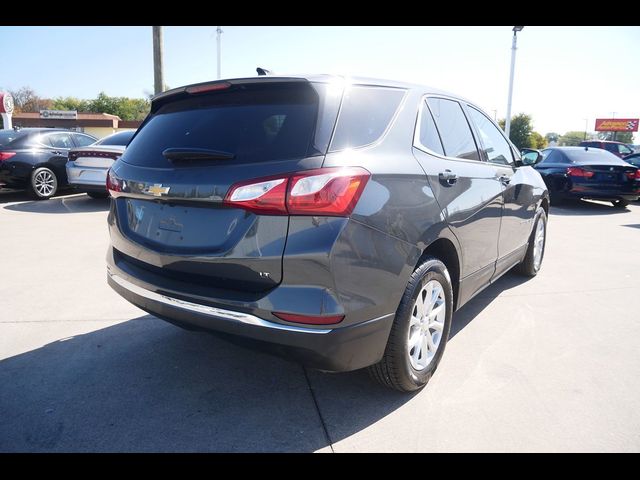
column 87, row 178
column 629, row 194
column 330, row 348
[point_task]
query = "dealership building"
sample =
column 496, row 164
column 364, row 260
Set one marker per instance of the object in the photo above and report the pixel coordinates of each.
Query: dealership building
column 97, row 124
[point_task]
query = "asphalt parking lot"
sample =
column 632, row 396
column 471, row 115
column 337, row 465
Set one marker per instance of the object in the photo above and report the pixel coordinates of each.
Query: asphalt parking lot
column 547, row 364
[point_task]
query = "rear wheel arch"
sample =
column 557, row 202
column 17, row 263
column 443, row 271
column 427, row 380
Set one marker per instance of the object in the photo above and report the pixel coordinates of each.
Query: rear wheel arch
column 444, row 250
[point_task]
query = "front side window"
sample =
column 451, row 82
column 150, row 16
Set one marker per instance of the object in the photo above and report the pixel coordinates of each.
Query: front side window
column 454, row 129
column 495, row 146
column 624, row 150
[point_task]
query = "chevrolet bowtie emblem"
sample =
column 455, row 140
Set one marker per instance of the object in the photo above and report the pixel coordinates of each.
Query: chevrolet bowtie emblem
column 157, row 190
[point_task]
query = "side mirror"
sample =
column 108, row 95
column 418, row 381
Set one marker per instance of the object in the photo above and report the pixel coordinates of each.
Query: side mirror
column 530, row 156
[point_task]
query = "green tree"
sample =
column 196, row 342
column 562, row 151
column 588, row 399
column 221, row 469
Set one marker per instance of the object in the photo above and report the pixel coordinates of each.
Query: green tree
column 536, row 140
column 71, row 103
column 551, row 137
column 123, row 107
column 520, row 131
column 571, row 139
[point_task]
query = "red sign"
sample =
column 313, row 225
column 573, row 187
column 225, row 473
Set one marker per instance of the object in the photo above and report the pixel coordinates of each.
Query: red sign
column 616, row 124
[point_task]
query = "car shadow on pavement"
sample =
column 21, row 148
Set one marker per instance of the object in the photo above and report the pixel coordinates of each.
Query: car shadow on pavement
column 145, row 385
column 586, row 207
column 64, row 203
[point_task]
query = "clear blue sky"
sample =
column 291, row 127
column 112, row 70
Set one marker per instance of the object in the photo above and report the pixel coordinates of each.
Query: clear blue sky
column 564, row 75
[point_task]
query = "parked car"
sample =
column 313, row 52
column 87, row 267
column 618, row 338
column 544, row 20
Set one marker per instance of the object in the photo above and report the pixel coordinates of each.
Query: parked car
column 633, row 159
column 35, row 158
column 312, row 215
column 87, row 166
column 590, row 173
column 619, row 149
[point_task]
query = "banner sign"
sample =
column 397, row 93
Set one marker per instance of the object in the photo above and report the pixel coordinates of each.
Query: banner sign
column 59, row 114
column 616, row 124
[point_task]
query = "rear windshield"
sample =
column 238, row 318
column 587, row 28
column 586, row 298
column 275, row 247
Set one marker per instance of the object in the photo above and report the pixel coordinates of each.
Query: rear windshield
column 255, row 123
column 120, row 138
column 591, row 154
column 7, row 136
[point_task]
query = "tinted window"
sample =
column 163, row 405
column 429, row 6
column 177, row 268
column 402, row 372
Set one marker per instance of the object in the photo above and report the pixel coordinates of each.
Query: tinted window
column 494, row 144
column 598, row 154
column 552, row 156
column 624, row 150
column 58, row 140
column 6, row 136
column 120, row 138
column 82, row 140
column 429, row 136
column 365, row 114
column 454, row 130
column 256, row 123
column 611, row 147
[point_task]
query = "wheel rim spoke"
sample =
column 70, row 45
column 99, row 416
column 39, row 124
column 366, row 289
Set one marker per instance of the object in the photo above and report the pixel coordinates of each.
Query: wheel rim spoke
column 426, row 325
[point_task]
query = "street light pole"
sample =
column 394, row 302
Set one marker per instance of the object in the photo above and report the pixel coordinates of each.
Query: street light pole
column 218, row 40
column 158, row 70
column 586, row 123
column 507, row 122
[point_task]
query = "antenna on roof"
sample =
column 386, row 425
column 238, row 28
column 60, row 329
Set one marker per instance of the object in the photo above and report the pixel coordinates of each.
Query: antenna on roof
column 263, row 71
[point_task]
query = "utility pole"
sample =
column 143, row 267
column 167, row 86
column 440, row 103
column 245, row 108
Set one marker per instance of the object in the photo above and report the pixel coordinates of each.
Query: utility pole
column 514, row 41
column 613, row 137
column 218, row 41
column 158, row 55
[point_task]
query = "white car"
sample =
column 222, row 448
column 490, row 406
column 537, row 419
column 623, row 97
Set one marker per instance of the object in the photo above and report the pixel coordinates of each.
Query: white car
column 87, row 167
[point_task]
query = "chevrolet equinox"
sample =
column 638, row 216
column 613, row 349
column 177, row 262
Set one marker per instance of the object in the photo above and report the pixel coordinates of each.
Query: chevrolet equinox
column 339, row 222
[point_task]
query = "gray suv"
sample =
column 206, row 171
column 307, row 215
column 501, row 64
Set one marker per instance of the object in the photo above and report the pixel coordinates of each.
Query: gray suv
column 336, row 222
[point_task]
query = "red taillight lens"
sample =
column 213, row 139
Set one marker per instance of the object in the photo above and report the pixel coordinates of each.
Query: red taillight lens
column 6, row 155
column 323, row 191
column 114, row 184
column 634, row 175
column 210, row 87
column 326, row 191
column 309, row 319
column 265, row 196
column 579, row 172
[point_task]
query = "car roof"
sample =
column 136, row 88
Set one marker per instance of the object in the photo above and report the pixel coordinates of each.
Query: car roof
column 326, row 78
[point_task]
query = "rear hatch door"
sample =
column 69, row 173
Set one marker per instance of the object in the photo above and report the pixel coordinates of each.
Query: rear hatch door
column 179, row 166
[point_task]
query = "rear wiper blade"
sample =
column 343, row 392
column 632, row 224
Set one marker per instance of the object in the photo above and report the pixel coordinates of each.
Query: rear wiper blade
column 196, row 154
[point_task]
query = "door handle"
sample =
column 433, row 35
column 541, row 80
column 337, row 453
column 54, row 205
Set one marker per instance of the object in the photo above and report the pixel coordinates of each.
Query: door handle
column 448, row 177
column 504, row 179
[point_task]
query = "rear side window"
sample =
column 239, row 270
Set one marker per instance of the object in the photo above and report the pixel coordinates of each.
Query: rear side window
column 365, row 115
column 255, row 123
column 454, row 129
column 429, row 137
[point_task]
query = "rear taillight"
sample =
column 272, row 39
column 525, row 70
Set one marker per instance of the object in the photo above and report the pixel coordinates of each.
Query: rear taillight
column 579, row 172
column 6, row 155
column 114, row 184
column 209, row 87
column 324, row 191
column 309, row 319
column 634, row 175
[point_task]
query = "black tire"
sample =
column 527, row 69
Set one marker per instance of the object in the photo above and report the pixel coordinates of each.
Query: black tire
column 98, row 195
column 395, row 369
column 36, row 181
column 527, row 267
column 622, row 203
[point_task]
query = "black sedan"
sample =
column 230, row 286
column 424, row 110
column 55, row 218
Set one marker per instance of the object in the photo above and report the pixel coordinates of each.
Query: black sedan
column 35, row 158
column 589, row 173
